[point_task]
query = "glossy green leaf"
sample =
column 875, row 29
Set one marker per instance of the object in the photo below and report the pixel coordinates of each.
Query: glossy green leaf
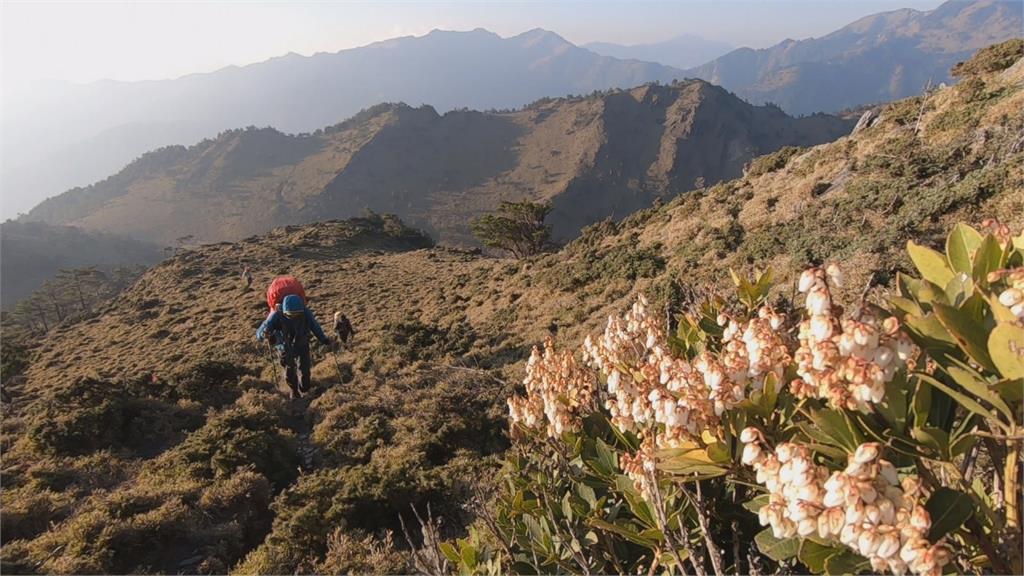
column 756, row 503
column 450, row 553
column 960, row 247
column 970, row 334
column 932, row 437
column 607, row 456
column 973, row 383
column 1006, row 347
column 962, row 399
column 778, row 549
column 932, row 265
column 468, row 556
column 846, row 562
column 814, row 555
column 836, row 426
column 624, row 531
column 959, row 289
column 586, row 493
column 567, row 507
column 1010, row 390
column 907, row 286
column 988, row 258
column 931, row 332
column 948, row 509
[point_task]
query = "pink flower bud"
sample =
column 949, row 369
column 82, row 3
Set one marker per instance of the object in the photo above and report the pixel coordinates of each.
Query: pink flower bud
column 867, row 452
column 807, row 279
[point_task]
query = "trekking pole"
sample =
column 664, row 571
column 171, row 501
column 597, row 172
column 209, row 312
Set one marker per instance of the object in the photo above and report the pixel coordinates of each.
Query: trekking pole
column 273, row 364
column 337, row 367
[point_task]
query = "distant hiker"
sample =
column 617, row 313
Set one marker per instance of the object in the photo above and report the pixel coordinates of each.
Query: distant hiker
column 247, row 278
column 290, row 327
column 343, row 328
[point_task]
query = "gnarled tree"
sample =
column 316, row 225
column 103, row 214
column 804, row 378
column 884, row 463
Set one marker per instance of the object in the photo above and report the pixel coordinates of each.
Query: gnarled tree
column 517, row 227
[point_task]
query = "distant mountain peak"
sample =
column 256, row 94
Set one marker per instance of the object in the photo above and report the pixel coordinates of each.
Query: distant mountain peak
column 540, row 36
column 877, row 58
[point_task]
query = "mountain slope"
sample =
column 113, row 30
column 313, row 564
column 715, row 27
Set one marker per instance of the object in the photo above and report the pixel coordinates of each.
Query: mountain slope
column 33, row 252
column 683, row 51
column 293, row 93
column 602, row 156
column 878, row 58
column 152, row 437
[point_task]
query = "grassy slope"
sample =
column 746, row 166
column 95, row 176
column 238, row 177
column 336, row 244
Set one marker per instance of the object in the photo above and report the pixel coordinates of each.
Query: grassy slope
column 406, row 427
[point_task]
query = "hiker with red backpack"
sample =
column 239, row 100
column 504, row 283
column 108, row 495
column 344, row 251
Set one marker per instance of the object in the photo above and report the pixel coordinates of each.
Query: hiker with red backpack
column 287, row 328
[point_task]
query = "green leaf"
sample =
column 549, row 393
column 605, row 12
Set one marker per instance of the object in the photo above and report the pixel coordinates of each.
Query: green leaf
column 586, row 493
column 960, row 288
column 969, row 333
column 814, row 555
column 935, row 438
column 975, row 384
column 846, row 562
column 922, row 403
column 931, row 333
column 450, row 553
column 968, row 403
column 567, row 507
column 960, row 246
column 609, row 460
column 948, row 509
column 1006, row 347
column 468, row 555
column 894, row 405
column 988, row 258
column 1010, row 390
column 755, row 504
column 930, row 264
column 778, row 549
column 907, row 286
column 836, row 426
column 624, row 531
column 906, row 305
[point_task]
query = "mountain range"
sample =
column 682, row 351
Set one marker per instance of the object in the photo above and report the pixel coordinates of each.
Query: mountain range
column 73, row 135
column 601, row 156
column 878, row 58
column 683, row 51
column 78, row 134
column 32, row 252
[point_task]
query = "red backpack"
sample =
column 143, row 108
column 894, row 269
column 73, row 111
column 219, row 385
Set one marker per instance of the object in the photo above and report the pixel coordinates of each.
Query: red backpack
column 284, row 286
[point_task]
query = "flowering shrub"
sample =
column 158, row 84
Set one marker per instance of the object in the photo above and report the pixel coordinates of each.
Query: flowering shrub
column 873, row 438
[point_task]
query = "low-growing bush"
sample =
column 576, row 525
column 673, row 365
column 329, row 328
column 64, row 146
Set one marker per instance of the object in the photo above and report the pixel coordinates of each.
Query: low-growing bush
column 771, row 162
column 869, row 438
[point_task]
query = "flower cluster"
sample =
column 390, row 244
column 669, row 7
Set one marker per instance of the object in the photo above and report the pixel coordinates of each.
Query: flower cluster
column 641, row 467
column 847, row 361
column 1013, row 296
column 750, row 352
column 646, row 386
column 865, row 506
column 558, row 392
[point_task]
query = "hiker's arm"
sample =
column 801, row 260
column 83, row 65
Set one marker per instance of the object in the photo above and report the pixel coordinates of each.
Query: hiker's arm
column 317, row 330
column 268, row 324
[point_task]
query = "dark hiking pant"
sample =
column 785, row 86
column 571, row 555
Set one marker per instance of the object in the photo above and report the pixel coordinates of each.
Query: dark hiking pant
column 296, row 369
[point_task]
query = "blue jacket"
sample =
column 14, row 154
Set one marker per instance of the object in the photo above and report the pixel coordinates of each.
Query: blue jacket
column 295, row 333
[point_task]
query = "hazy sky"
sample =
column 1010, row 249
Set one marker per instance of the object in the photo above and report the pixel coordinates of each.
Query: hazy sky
column 87, row 41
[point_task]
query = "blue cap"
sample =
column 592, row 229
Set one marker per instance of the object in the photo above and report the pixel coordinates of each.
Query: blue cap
column 292, row 304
